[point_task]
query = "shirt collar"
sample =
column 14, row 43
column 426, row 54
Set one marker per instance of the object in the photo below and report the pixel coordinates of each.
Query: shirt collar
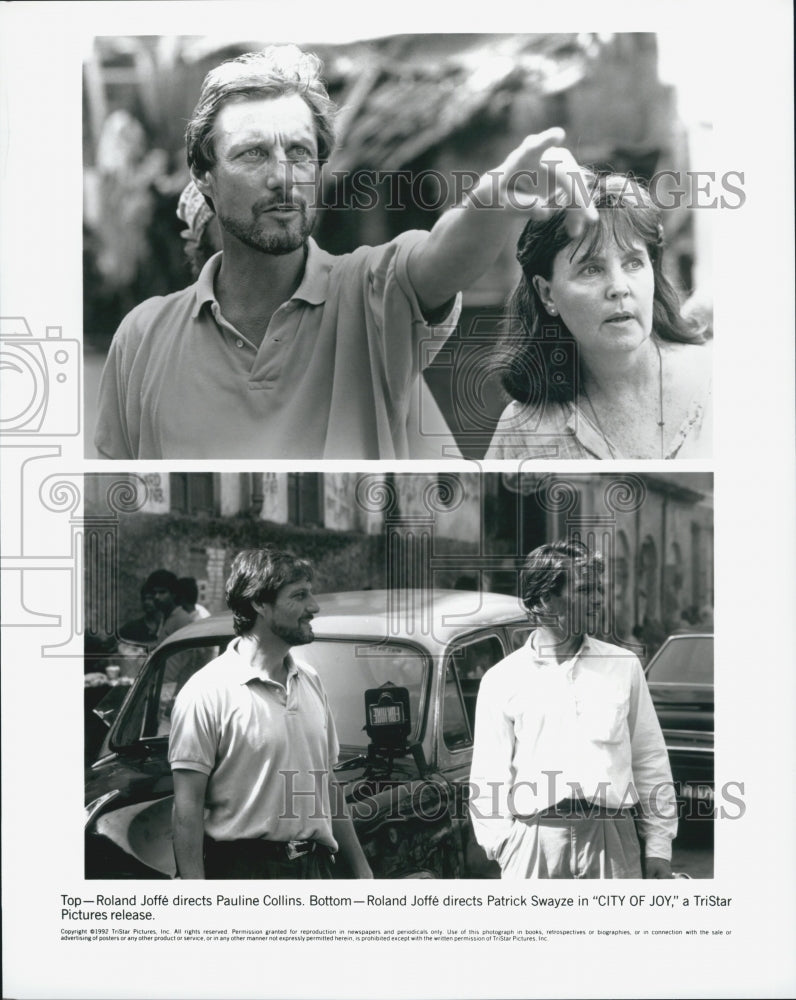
column 313, row 288
column 314, row 285
column 589, row 436
column 247, row 672
column 205, row 284
column 586, row 647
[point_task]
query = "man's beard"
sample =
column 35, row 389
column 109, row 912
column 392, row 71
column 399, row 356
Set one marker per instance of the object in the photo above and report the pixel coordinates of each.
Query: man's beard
column 290, row 234
column 293, row 636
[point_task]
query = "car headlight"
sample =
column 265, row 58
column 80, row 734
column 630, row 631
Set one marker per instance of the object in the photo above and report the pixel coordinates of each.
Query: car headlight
column 96, row 806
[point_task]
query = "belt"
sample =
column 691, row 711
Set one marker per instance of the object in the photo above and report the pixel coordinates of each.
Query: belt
column 298, row 848
column 289, row 850
column 580, row 808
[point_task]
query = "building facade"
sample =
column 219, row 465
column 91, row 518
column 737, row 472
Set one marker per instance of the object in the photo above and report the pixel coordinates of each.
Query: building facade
column 469, row 530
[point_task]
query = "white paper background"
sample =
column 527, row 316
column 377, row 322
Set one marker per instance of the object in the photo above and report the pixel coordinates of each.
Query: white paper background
column 746, row 62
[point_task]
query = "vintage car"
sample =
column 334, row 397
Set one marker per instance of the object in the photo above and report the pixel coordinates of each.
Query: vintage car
column 680, row 679
column 401, row 669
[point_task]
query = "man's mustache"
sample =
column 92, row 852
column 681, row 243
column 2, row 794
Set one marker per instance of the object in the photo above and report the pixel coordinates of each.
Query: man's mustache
column 271, row 204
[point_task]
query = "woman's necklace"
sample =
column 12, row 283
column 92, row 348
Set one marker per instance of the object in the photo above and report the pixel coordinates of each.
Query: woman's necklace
column 661, row 422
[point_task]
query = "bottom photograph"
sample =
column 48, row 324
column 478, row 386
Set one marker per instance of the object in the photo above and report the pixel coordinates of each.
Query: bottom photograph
column 399, row 675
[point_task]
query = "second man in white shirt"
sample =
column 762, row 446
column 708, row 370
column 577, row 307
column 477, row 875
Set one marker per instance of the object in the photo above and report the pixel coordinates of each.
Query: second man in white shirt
column 570, row 774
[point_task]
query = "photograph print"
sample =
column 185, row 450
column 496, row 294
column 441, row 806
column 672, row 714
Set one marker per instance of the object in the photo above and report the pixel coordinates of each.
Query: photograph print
column 408, row 247
column 339, row 675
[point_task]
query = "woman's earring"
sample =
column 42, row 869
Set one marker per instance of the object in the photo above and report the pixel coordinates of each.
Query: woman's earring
column 552, row 310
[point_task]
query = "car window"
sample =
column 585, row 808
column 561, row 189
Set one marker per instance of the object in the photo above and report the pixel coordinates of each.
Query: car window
column 518, row 636
column 684, row 660
column 148, row 714
column 466, row 665
column 349, row 668
column 457, row 729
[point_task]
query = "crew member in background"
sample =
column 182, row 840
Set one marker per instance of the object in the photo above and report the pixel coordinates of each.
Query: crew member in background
column 188, row 597
column 163, row 587
column 143, row 631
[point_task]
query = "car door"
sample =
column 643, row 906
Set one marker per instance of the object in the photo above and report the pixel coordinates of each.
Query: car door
column 465, row 663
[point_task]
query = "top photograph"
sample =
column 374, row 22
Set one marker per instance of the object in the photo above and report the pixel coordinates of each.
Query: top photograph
column 403, row 248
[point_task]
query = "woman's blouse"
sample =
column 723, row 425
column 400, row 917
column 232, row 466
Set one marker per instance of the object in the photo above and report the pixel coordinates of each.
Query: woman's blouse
column 565, row 430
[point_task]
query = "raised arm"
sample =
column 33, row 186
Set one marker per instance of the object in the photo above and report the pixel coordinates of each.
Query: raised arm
column 533, row 181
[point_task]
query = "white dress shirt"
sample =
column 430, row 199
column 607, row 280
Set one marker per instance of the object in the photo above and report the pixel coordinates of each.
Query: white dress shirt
column 548, row 731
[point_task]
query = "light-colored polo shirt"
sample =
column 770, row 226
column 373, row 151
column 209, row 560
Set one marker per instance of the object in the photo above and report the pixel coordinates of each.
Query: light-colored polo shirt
column 268, row 749
column 336, row 375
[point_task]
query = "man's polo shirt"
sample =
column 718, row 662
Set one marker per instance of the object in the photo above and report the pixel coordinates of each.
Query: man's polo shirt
column 335, row 376
column 268, row 750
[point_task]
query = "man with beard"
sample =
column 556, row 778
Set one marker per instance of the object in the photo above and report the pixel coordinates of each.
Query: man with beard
column 253, row 742
column 568, row 756
column 281, row 350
